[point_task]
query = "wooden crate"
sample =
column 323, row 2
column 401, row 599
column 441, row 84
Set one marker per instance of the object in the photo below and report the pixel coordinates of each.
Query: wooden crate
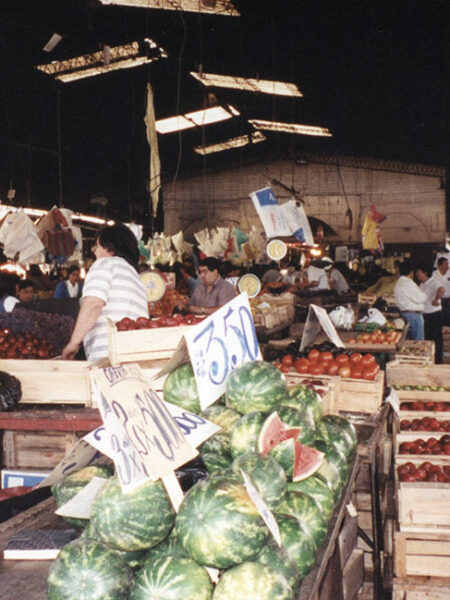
column 143, row 345
column 434, row 377
column 424, row 554
column 326, row 385
column 51, row 381
column 415, row 352
column 360, row 346
column 423, row 506
column 420, row 588
column 36, row 449
column 367, row 298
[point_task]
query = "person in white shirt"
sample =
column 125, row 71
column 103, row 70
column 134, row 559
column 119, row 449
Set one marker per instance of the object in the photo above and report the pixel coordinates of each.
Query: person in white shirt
column 336, row 280
column 442, row 276
column 432, row 313
column 410, row 300
column 317, row 278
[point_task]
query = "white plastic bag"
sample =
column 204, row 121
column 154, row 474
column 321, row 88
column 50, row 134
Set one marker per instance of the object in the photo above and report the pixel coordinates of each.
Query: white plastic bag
column 342, row 317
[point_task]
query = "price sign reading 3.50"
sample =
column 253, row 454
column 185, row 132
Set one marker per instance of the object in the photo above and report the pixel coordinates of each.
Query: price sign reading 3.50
column 219, row 344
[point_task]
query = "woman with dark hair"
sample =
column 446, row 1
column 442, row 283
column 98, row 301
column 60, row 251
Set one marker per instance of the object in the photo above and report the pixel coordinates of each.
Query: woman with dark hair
column 112, row 290
column 7, row 292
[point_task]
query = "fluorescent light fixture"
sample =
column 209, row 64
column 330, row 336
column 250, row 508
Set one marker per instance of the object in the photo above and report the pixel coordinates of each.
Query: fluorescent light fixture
column 290, row 127
column 236, row 142
column 104, row 61
column 52, row 42
column 197, row 118
column 263, row 86
column 212, row 7
column 39, row 212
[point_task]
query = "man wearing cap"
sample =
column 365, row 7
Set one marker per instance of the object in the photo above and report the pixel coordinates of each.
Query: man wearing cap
column 213, row 292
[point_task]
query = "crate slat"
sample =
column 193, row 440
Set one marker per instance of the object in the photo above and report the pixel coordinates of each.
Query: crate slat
column 422, row 555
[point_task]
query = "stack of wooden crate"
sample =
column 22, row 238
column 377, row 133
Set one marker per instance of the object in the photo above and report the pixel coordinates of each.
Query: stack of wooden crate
column 422, row 537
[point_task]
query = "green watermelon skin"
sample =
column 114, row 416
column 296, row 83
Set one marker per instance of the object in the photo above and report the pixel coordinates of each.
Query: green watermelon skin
column 170, row 546
column 222, row 416
column 266, row 474
column 171, row 578
column 219, row 443
column 245, row 432
column 180, row 388
column 318, row 490
column 255, row 581
column 300, row 547
column 69, row 487
column 283, row 453
column 330, row 474
column 304, row 398
column 216, row 463
column 134, row 521
column 305, row 510
column 338, row 432
column 295, row 418
column 133, row 558
column 87, row 569
column 335, row 456
column 278, row 558
column 219, row 525
column 256, row 386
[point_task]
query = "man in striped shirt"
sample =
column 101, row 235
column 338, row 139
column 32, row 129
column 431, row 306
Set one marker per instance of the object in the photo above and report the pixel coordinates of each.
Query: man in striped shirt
column 112, row 289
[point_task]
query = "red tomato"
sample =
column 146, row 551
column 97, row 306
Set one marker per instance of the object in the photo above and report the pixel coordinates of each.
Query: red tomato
column 284, row 368
column 301, row 365
column 368, row 359
column 317, row 369
column 325, row 357
column 313, row 355
column 355, row 358
column 332, row 368
column 287, row 360
column 342, row 360
column 356, row 372
column 369, row 373
column 344, row 371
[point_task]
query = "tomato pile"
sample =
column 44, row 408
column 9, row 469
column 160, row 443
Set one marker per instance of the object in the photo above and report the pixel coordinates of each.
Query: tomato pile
column 127, row 324
column 424, row 424
column 430, row 446
column 344, row 364
column 376, row 337
column 425, row 405
column 24, row 345
column 424, row 472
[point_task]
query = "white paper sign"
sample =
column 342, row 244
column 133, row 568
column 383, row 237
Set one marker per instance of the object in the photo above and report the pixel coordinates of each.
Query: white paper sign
column 81, row 455
column 298, row 222
column 80, row 505
column 270, row 213
column 262, row 508
column 318, row 318
column 219, row 344
column 394, row 401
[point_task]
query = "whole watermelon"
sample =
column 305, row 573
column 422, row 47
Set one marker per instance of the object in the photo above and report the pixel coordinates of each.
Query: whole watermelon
column 330, row 474
column 133, row 558
column 335, row 456
column 300, row 547
column 304, row 398
column 245, row 432
column 216, row 462
column 284, row 454
column 219, row 525
column 305, row 510
column 266, row 474
column 339, row 432
column 255, row 386
column 278, row 558
column 180, row 388
column 171, row 578
column 69, row 487
column 88, row 570
column 134, row 521
column 318, row 490
column 170, row 546
column 219, row 443
column 222, row 416
column 294, row 417
column 253, row 580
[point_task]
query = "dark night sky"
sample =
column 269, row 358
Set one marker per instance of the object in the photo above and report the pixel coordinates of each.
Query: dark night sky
column 375, row 72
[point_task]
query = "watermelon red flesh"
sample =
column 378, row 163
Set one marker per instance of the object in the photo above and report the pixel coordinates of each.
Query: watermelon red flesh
column 254, row 581
column 219, row 525
column 171, row 577
column 134, row 521
column 307, row 461
column 88, row 570
column 255, row 386
column 274, row 431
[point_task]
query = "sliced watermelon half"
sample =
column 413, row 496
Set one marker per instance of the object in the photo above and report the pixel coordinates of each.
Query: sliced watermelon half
column 273, row 432
column 307, row 461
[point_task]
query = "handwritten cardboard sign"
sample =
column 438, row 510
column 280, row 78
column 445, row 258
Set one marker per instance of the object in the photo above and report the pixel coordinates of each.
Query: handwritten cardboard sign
column 219, row 344
column 139, row 421
column 316, row 320
column 80, row 505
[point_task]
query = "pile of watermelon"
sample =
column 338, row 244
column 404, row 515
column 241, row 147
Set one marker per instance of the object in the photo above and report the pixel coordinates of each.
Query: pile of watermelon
column 135, row 547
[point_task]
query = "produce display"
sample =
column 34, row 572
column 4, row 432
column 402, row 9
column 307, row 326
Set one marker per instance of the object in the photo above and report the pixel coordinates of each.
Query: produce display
column 330, row 361
column 421, row 388
column 372, row 333
column 29, row 334
column 430, row 446
column 429, row 405
column 218, row 524
column 426, row 471
column 127, row 324
column 424, row 424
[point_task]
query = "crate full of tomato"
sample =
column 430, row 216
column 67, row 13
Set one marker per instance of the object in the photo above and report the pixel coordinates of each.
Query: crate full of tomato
column 360, row 384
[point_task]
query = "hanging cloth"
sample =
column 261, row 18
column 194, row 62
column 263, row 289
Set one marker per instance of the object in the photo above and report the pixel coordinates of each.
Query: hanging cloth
column 152, row 138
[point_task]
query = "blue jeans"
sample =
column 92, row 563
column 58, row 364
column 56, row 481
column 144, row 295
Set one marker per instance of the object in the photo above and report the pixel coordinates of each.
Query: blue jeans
column 416, row 329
